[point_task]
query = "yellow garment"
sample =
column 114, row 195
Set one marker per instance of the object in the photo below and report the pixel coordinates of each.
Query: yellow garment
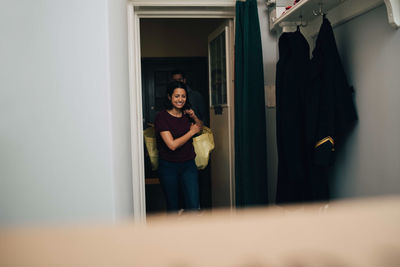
column 151, row 145
column 203, row 144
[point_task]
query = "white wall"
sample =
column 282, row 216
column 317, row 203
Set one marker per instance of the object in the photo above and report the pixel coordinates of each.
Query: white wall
column 120, row 108
column 370, row 48
column 269, row 44
column 64, row 147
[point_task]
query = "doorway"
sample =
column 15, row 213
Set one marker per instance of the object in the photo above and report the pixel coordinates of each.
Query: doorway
column 156, row 73
column 137, row 14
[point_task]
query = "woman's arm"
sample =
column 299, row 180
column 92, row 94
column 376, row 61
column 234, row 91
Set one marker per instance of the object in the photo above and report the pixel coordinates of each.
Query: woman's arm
column 172, row 143
column 192, row 115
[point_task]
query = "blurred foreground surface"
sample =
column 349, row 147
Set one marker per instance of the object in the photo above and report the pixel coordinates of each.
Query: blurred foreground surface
column 347, row 233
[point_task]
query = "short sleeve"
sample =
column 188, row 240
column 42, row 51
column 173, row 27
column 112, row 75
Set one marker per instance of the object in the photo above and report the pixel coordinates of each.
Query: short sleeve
column 160, row 122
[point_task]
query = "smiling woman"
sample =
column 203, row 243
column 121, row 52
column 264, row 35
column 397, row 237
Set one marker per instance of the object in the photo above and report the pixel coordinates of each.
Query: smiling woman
column 175, row 126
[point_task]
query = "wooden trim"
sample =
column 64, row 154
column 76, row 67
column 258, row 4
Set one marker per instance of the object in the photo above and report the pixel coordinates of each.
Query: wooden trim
column 393, row 11
column 135, row 90
column 230, row 57
column 152, row 181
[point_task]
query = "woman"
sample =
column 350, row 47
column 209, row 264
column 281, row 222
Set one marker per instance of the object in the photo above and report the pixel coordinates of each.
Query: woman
column 175, row 126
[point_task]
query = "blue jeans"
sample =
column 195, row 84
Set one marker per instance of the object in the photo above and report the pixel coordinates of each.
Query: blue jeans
column 176, row 175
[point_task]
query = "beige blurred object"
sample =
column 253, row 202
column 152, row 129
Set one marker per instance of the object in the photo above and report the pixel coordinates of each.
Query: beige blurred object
column 270, row 95
column 347, row 233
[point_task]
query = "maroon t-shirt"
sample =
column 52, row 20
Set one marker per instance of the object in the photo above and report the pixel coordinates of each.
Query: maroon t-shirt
column 178, row 127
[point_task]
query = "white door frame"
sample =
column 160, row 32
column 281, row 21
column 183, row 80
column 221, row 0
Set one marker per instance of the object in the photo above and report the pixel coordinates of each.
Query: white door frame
column 138, row 9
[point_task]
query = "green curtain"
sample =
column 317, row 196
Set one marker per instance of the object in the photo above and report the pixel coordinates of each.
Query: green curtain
column 250, row 125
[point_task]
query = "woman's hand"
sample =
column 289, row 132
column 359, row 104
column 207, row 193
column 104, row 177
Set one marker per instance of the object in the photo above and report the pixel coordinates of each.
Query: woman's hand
column 195, row 128
column 192, row 115
column 190, row 112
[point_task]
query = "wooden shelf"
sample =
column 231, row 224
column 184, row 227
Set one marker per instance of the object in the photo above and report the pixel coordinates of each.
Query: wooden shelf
column 305, row 9
column 338, row 12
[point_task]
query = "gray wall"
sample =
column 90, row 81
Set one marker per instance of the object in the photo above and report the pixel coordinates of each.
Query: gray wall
column 370, row 50
column 64, row 111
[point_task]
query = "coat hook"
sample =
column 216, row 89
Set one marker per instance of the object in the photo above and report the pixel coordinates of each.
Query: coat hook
column 319, row 12
column 302, row 23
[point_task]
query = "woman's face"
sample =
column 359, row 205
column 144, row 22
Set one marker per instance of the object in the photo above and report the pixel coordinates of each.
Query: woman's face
column 178, row 98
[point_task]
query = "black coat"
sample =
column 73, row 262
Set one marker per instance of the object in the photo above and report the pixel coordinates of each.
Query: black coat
column 331, row 112
column 292, row 82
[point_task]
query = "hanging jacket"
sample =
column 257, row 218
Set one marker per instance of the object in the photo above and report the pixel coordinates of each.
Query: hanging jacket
column 292, row 81
column 330, row 109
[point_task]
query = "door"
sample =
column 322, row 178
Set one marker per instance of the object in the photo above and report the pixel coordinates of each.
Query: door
column 221, row 54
